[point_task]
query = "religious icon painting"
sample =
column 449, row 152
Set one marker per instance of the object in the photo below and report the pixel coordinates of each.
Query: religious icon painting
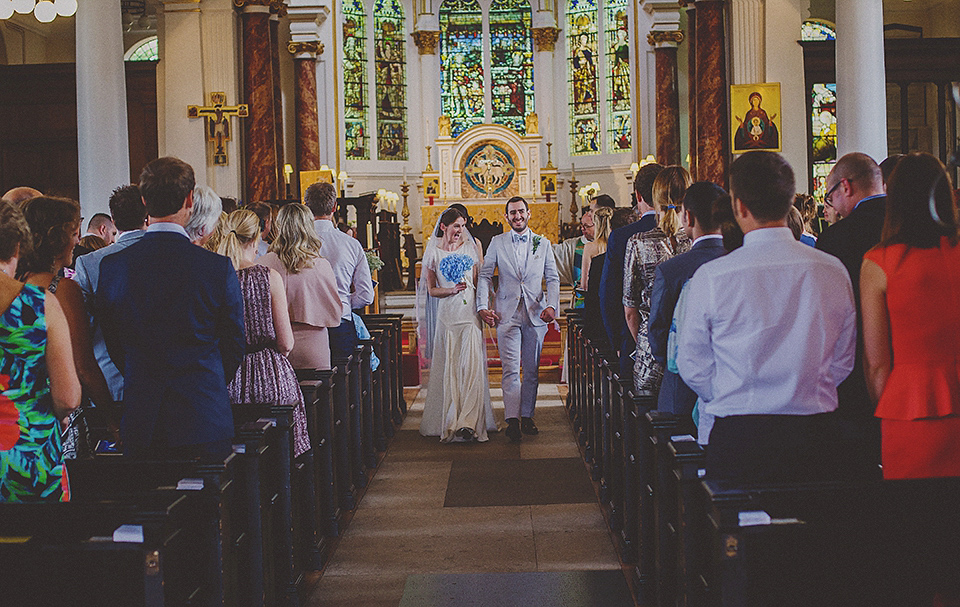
column 548, row 184
column 431, row 186
column 308, row 178
column 756, row 117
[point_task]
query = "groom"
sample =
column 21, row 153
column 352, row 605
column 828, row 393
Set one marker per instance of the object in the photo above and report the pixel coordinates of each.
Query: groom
column 522, row 309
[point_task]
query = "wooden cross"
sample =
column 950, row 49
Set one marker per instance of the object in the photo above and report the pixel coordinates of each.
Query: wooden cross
column 217, row 118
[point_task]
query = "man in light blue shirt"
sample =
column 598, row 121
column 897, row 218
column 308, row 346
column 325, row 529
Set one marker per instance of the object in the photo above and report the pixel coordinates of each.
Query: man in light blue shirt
column 129, row 215
column 346, row 256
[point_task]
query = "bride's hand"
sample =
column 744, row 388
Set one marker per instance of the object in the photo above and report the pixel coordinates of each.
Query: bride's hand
column 460, row 286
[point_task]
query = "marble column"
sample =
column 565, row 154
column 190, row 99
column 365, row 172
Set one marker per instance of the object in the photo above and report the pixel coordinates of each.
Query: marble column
column 260, row 126
column 668, row 98
column 692, row 85
column 712, row 127
column 102, row 141
column 427, row 41
column 749, row 41
column 861, row 79
column 308, row 126
column 277, row 10
column 544, row 43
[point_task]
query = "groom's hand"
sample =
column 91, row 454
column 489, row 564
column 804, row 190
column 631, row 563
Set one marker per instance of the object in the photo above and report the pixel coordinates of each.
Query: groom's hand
column 548, row 315
column 489, row 316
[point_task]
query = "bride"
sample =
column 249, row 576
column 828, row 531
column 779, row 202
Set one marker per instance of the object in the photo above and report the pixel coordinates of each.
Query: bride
column 457, row 406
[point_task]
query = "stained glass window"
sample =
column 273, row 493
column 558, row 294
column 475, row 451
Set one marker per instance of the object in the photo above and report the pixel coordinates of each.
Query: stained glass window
column 355, row 80
column 390, row 57
column 584, row 105
column 824, row 142
column 511, row 65
column 461, row 63
column 147, row 50
column 617, row 39
column 813, row 29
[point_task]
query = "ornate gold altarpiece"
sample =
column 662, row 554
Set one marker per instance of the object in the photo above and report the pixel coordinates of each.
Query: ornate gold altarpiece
column 483, row 168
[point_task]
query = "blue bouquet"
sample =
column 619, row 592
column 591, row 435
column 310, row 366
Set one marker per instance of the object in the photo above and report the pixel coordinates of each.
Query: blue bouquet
column 454, row 267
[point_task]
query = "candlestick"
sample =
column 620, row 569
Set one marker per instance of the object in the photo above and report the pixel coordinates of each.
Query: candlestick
column 406, row 229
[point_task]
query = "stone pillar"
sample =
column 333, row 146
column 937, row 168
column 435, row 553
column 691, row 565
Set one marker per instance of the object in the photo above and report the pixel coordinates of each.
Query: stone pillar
column 712, row 107
column 260, row 126
column 277, row 10
column 427, row 42
column 308, row 127
column 102, row 141
column 861, row 79
column 691, row 9
column 749, row 41
column 544, row 43
column 668, row 99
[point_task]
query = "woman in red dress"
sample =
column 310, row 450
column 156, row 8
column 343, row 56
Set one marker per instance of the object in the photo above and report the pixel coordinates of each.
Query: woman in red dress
column 910, row 300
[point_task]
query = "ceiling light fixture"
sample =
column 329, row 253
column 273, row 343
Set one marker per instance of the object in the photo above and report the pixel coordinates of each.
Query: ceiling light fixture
column 45, row 10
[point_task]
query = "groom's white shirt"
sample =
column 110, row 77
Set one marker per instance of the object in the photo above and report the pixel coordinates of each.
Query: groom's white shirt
column 520, row 279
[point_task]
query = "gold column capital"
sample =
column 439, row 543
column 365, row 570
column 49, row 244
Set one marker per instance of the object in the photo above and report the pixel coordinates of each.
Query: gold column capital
column 545, row 38
column 313, row 47
column 660, row 38
column 264, row 5
column 426, row 41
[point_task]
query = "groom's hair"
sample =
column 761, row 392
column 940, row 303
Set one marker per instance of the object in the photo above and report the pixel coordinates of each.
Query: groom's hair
column 506, row 207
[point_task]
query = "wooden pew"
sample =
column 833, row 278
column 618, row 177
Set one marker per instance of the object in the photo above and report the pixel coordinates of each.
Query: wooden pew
column 66, row 553
column 222, row 529
column 323, row 501
column 270, row 429
column 393, row 359
column 346, row 491
column 368, row 414
column 832, row 544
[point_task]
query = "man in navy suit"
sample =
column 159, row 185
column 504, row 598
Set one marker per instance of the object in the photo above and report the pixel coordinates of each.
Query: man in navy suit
column 670, row 276
column 611, row 278
column 172, row 318
column 855, row 189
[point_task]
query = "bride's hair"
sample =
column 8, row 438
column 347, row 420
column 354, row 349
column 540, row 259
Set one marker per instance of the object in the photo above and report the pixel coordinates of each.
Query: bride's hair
column 448, row 217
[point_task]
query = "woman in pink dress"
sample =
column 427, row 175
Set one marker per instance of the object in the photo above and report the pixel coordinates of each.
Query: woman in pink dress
column 309, row 283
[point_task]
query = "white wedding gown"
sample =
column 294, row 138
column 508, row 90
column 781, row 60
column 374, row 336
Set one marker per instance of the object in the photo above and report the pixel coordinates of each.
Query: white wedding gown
column 458, row 394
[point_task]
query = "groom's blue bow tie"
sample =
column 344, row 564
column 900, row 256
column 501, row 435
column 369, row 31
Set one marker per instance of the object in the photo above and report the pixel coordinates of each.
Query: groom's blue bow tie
column 519, row 237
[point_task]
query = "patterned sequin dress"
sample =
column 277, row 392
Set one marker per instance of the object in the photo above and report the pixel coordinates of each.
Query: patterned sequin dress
column 31, row 462
column 266, row 376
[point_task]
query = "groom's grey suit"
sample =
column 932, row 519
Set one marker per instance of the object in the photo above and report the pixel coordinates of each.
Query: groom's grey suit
column 519, row 301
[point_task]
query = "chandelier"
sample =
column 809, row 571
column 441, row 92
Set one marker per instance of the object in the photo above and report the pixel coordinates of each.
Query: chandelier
column 45, row 11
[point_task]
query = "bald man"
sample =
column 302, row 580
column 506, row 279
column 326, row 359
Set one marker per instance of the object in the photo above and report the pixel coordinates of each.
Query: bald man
column 21, row 194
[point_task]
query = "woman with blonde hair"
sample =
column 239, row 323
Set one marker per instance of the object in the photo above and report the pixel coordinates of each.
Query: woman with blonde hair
column 645, row 251
column 309, row 283
column 598, row 246
column 265, row 375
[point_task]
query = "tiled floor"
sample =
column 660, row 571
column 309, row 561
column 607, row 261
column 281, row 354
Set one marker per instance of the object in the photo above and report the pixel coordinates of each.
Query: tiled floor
column 402, row 528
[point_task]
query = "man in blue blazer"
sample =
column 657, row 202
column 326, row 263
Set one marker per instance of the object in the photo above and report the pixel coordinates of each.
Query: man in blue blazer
column 172, row 318
column 670, row 276
column 130, row 217
column 611, row 278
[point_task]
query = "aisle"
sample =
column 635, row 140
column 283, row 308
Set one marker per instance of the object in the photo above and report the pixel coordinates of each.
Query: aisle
column 522, row 516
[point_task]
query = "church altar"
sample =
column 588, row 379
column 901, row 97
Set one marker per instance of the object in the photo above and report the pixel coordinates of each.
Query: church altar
column 484, row 167
column 544, row 216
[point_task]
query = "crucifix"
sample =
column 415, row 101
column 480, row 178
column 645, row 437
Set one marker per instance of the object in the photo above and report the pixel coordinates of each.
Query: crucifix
column 217, row 120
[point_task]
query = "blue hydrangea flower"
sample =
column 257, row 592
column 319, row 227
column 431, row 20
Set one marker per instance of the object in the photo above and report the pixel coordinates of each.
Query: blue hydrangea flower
column 453, row 267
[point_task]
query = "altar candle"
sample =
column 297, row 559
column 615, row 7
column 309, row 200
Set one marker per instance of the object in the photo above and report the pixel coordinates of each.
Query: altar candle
column 573, row 171
column 404, row 174
column 370, row 235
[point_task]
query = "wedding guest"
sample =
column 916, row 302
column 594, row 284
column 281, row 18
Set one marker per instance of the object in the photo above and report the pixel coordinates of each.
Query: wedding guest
column 206, row 214
column 172, row 318
column 598, row 246
column 910, row 292
column 645, row 251
column 349, row 263
column 611, row 280
column 309, row 284
column 265, row 217
column 55, row 226
column 217, row 235
column 265, row 375
column 130, row 216
column 38, row 383
column 21, row 194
